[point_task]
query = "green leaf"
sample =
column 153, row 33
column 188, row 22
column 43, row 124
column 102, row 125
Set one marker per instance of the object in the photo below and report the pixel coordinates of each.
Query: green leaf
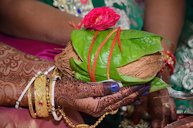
column 135, row 44
column 157, row 84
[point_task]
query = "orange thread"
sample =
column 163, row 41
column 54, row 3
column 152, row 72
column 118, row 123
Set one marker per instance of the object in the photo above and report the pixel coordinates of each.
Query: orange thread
column 89, row 53
column 117, row 37
column 92, row 76
column 119, row 40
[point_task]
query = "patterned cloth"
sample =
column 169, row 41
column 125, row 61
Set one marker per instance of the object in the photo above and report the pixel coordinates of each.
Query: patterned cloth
column 182, row 79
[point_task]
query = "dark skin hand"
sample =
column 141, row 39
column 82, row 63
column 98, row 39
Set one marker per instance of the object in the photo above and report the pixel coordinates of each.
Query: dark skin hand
column 18, row 68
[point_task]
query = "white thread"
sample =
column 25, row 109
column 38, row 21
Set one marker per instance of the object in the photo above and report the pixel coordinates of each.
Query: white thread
column 28, row 85
column 52, row 99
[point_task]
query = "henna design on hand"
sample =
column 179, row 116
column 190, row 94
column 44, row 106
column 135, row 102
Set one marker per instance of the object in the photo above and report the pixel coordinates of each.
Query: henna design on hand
column 16, row 69
column 79, row 96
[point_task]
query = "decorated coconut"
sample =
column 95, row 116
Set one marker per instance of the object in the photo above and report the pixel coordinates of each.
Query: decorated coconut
column 99, row 52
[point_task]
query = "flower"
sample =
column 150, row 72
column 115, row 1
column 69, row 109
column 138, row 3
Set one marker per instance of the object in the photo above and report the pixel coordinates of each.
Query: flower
column 100, row 18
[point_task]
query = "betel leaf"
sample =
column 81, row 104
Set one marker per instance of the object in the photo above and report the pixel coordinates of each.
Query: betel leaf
column 135, row 44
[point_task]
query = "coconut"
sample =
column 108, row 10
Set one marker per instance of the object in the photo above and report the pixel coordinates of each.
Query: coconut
column 145, row 67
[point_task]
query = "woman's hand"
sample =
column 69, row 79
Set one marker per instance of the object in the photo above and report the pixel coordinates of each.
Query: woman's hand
column 16, row 70
column 95, row 99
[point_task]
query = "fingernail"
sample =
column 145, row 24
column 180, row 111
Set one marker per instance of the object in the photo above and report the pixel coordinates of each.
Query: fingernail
column 115, row 87
column 111, row 87
column 145, row 93
column 146, row 87
column 145, row 90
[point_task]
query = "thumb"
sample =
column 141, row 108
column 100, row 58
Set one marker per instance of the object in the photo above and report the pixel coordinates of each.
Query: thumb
column 98, row 89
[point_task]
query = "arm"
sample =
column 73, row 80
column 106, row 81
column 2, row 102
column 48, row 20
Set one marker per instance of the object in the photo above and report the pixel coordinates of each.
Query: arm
column 17, row 69
column 33, row 19
column 165, row 17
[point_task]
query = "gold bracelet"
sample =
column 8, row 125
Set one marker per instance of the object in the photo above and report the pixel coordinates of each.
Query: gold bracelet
column 40, row 96
column 30, row 104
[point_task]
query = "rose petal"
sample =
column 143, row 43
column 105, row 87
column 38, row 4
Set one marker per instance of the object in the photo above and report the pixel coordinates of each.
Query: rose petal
column 100, row 18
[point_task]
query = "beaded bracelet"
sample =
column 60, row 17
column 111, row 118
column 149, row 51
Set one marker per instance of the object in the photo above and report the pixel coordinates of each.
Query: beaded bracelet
column 25, row 90
column 169, row 60
column 29, row 84
column 52, row 99
column 51, row 94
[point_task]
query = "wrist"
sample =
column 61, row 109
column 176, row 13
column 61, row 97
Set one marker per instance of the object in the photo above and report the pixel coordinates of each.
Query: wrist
column 168, row 60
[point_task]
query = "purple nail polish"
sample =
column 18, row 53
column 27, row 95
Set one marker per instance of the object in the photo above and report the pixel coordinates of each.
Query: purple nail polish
column 110, row 87
column 145, row 93
column 115, row 87
column 146, row 87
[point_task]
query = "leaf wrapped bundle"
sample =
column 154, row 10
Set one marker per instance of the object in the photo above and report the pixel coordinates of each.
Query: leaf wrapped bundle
column 137, row 62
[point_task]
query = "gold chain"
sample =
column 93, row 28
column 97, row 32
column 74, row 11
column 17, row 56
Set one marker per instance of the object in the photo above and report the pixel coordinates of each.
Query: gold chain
column 71, row 125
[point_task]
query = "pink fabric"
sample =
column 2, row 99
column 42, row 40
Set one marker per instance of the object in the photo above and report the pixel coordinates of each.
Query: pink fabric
column 37, row 48
column 14, row 118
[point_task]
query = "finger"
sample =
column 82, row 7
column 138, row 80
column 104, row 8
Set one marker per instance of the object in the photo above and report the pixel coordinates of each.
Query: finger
column 96, row 106
column 139, row 110
column 173, row 109
column 159, row 108
column 129, row 91
column 99, row 89
column 129, row 99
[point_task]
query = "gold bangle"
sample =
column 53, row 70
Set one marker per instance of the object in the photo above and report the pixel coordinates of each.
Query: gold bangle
column 40, row 96
column 49, row 106
column 30, row 105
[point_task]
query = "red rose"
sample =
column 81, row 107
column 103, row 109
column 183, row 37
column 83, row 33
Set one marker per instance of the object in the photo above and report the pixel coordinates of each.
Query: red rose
column 100, row 18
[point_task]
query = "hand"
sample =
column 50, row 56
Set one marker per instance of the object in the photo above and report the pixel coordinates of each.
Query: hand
column 162, row 108
column 95, row 99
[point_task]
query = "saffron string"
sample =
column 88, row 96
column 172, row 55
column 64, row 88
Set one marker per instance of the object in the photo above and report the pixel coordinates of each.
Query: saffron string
column 119, row 40
column 89, row 53
column 92, row 76
column 117, row 37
